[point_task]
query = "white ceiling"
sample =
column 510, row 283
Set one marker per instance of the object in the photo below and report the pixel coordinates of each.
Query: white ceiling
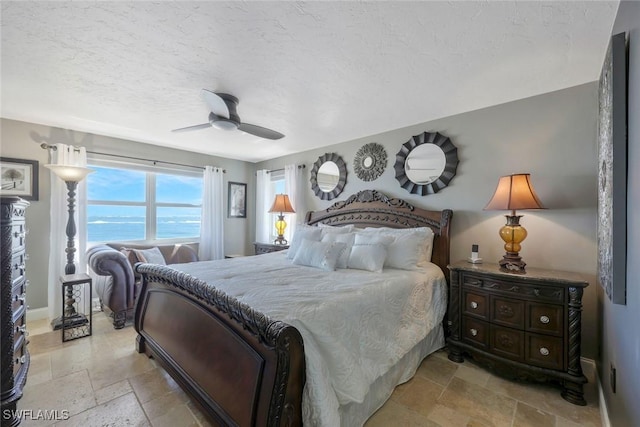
column 319, row 72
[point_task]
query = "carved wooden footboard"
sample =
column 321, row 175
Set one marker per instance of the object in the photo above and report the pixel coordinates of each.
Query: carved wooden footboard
column 241, row 367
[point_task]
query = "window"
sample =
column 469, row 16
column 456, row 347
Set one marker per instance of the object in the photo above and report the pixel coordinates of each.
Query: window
column 129, row 204
column 277, row 187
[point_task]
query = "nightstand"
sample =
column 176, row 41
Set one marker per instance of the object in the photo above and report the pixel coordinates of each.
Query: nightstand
column 523, row 326
column 265, row 248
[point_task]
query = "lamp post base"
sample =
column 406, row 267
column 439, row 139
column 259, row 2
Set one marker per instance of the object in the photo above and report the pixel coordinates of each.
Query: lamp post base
column 512, row 263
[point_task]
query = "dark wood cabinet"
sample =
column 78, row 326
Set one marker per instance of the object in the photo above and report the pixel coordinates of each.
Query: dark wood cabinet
column 15, row 357
column 265, row 248
column 521, row 326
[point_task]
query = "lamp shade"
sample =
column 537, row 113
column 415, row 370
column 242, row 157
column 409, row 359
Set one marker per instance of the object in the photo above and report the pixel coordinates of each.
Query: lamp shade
column 282, row 204
column 514, row 192
column 70, row 173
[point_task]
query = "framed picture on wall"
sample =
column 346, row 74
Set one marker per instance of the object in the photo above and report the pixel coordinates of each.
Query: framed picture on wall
column 237, row 200
column 612, row 171
column 19, row 178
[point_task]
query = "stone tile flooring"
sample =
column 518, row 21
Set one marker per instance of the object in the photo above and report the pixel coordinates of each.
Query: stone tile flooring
column 102, row 381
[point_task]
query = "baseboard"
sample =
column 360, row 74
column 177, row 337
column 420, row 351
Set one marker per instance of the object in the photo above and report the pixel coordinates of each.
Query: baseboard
column 589, row 367
column 38, row 313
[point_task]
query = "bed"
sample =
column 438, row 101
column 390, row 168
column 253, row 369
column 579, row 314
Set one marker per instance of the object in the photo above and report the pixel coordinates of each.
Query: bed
column 231, row 343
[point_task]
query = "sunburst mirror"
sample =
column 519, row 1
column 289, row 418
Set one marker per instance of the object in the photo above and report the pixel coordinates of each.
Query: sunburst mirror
column 370, row 161
column 426, row 163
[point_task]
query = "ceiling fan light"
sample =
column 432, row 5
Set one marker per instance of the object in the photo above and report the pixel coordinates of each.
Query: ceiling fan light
column 224, row 125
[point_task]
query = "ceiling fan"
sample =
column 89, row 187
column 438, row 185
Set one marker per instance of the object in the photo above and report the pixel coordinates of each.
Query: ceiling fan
column 223, row 116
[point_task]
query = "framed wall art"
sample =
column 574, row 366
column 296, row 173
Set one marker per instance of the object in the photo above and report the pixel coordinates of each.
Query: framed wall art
column 612, row 171
column 19, row 178
column 237, row 200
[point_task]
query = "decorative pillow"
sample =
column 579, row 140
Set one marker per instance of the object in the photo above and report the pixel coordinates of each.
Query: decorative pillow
column 336, row 228
column 346, row 238
column 151, row 255
column 303, row 232
column 369, row 252
column 404, row 241
column 316, row 254
column 367, row 257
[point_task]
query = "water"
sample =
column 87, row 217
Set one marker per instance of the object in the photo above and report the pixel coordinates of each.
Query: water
column 123, row 228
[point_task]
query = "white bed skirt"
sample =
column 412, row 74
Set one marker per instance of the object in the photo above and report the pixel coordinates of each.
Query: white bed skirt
column 355, row 414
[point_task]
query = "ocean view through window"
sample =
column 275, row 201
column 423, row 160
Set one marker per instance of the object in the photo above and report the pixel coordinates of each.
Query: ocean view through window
column 125, row 204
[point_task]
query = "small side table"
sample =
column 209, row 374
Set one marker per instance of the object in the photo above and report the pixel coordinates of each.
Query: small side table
column 265, row 248
column 76, row 306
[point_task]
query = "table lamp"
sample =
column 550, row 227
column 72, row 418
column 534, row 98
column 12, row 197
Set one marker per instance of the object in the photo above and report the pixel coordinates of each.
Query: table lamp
column 513, row 192
column 281, row 205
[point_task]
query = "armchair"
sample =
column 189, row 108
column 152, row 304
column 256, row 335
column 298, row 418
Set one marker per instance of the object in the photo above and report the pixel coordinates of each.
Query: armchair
column 114, row 279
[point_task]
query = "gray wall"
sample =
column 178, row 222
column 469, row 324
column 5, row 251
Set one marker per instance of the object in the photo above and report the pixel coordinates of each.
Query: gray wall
column 552, row 136
column 19, row 141
column 621, row 323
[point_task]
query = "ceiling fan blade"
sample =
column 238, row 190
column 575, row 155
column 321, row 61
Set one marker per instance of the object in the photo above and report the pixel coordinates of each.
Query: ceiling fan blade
column 259, row 131
column 194, row 127
column 215, row 103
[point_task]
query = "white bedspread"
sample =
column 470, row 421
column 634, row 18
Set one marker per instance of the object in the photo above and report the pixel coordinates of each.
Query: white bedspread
column 355, row 324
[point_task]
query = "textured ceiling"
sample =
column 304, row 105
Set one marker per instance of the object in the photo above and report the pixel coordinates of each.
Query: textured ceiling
column 319, row 72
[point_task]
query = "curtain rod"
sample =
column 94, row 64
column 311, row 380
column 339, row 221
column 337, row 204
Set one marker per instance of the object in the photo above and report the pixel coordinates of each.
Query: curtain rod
column 281, row 169
column 54, row 148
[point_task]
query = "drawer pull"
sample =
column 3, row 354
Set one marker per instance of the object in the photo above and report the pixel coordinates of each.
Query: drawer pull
column 21, row 360
column 22, row 297
column 21, row 328
column 544, row 319
column 474, row 305
column 474, row 332
column 27, row 283
column 19, row 234
column 544, row 351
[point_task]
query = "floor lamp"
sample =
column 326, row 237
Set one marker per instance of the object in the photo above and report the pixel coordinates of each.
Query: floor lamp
column 71, row 175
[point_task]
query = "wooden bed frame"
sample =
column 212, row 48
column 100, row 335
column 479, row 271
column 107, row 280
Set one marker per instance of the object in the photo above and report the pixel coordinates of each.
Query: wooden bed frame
column 239, row 366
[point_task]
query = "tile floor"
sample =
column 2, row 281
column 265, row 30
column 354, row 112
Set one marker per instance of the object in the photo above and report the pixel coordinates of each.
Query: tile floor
column 102, row 381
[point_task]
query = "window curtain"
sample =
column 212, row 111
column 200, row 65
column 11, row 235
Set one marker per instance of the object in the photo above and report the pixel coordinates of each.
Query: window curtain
column 212, row 222
column 294, row 185
column 59, row 214
column 264, row 200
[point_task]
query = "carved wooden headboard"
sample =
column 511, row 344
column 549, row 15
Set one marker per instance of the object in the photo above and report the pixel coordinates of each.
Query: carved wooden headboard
column 370, row 208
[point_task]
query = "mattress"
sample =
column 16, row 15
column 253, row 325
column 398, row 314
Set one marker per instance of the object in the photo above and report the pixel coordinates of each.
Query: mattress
column 356, row 325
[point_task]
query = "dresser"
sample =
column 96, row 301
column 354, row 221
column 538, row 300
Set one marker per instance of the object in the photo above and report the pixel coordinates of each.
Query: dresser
column 265, row 248
column 523, row 326
column 15, row 357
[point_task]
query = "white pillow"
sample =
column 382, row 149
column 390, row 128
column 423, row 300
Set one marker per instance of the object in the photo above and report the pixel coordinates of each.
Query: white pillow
column 346, row 238
column 425, row 234
column 367, row 257
column 330, row 229
column 369, row 252
column 316, row 254
column 303, row 232
column 151, row 255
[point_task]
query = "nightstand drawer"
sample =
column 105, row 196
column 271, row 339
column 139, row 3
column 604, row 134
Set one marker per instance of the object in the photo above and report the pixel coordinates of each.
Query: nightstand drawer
column 507, row 342
column 545, row 351
column 475, row 331
column 546, row 319
column 507, row 312
column 475, row 304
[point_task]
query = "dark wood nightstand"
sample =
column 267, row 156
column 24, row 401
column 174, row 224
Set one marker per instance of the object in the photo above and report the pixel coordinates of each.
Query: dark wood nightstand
column 524, row 326
column 265, row 248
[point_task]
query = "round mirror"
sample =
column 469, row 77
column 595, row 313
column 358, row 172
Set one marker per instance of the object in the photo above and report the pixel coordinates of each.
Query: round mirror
column 328, row 176
column 426, row 163
column 370, row 161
